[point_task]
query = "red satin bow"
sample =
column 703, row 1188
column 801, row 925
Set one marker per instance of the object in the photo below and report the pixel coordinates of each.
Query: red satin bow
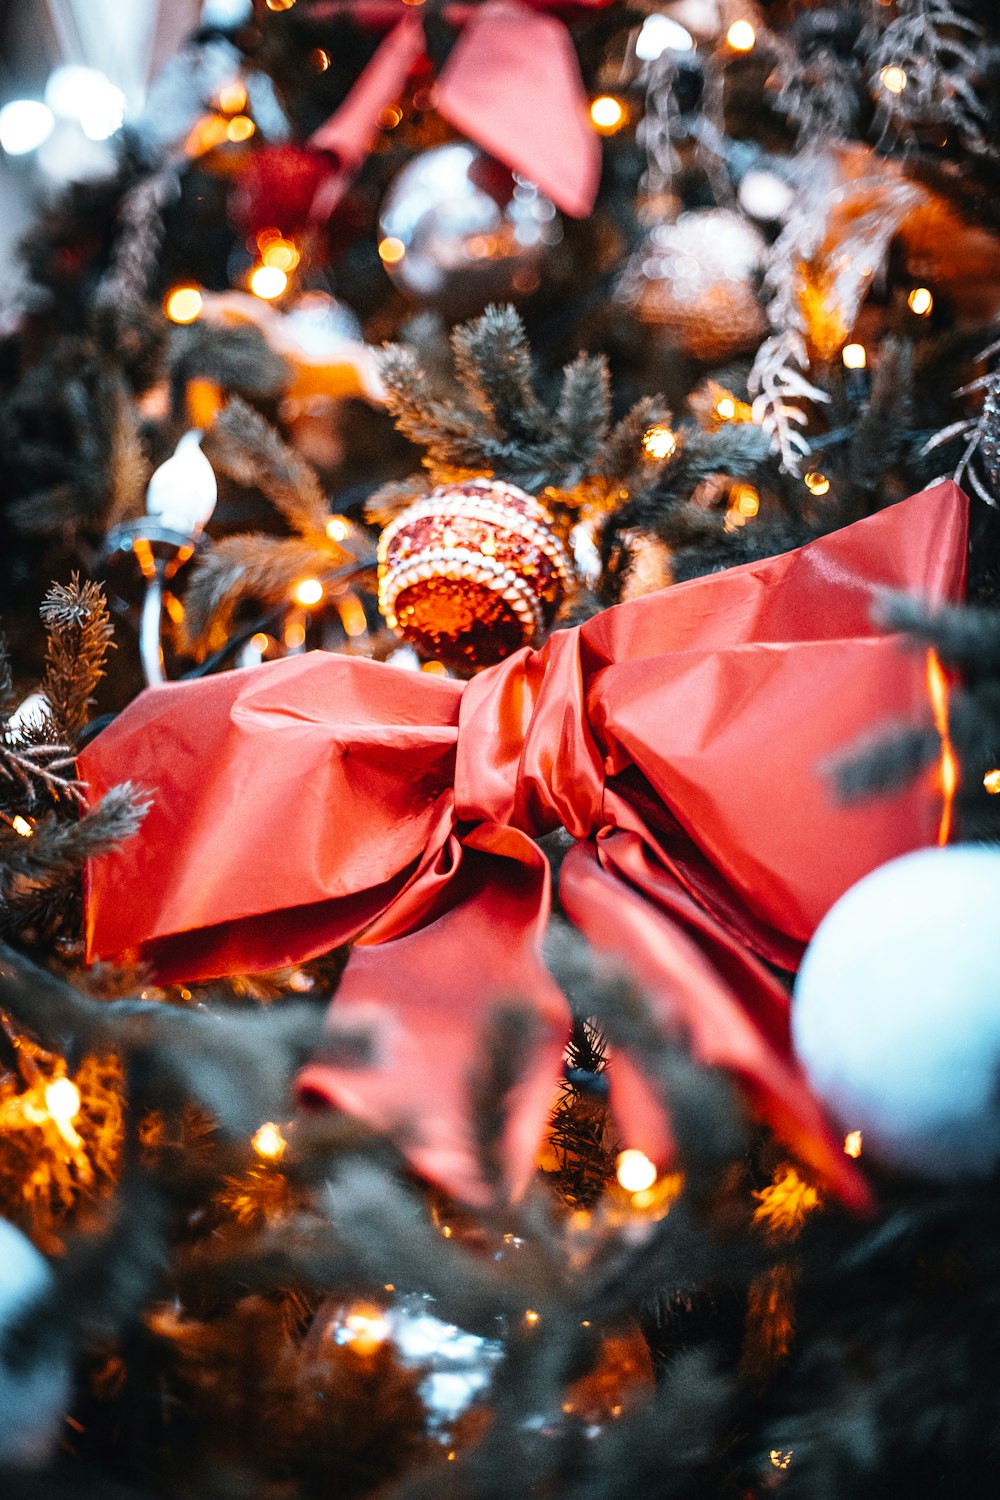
column 323, row 799
column 512, row 84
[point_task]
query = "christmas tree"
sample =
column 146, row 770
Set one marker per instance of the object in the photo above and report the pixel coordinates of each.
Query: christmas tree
column 499, row 758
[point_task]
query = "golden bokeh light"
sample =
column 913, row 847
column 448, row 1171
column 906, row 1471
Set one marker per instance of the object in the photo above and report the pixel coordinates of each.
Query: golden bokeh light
column 183, row 304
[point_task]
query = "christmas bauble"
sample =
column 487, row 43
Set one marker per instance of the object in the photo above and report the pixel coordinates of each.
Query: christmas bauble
column 458, row 229
column 33, row 1396
column 472, row 572
column 896, row 1014
column 694, row 279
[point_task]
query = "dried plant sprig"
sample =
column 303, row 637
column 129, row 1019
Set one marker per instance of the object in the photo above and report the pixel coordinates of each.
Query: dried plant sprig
column 80, row 633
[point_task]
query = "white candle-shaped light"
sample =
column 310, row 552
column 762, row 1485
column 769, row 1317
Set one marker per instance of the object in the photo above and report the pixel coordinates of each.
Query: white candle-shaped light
column 182, row 491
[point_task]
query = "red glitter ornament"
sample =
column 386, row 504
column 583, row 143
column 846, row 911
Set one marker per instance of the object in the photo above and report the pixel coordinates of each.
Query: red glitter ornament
column 472, row 572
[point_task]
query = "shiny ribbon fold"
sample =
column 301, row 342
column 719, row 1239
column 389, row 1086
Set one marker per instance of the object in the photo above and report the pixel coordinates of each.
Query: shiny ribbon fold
column 511, row 84
column 325, row 799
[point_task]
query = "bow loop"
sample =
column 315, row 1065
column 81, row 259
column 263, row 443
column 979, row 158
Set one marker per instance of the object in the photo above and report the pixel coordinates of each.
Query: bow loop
column 526, row 755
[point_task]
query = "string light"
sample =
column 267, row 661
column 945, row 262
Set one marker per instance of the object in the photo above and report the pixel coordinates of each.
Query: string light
column 308, row 592
column 816, row 483
column 855, row 356
column 659, row 442
column 22, row 826
column 280, row 4
column 920, row 301
column 62, row 1100
column 390, row 117
column 531, row 1316
column 280, row 254
column 635, row 1171
column 268, row 1142
column 747, row 500
column 741, row 36
column 991, row 781
column 240, row 128
column 352, row 615
column 267, row 282
column 893, row 79
column 183, row 304
column 295, row 635
column 337, row 528
column 725, row 408
column 780, row 1457
column 320, row 59
column 783, row 1205
column 852, row 1143
column 232, row 98
column 365, row 1328
column 937, row 689
column 607, row 114
column 391, row 250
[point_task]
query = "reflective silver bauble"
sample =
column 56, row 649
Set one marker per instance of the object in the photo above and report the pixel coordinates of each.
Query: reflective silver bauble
column 457, row 229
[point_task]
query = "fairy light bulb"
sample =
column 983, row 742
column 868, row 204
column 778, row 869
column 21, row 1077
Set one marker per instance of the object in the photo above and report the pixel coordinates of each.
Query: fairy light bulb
column 893, row 79
column 635, row 1171
column 23, row 827
column 268, row 282
column 308, row 592
column 183, row 304
column 725, row 408
column 852, row 1143
column 991, row 781
column 281, row 254
column 391, row 250
column 607, row 114
column 233, row 98
column 182, row 492
column 240, row 128
column 920, row 301
column 62, row 1100
column 741, row 36
column 816, row 482
column 855, row 356
column 659, row 441
column 365, row 1328
column 338, row 528
column 268, row 1142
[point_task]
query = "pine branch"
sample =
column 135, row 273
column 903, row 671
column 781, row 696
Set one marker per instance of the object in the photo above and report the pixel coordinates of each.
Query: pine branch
column 79, row 637
column 493, row 363
column 56, row 850
column 244, row 445
column 243, row 569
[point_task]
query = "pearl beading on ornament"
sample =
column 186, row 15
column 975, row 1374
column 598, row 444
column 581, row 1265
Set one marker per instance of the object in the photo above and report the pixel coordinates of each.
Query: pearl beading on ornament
column 515, row 536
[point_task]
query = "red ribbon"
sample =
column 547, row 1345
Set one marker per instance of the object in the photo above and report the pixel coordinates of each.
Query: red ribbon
column 324, row 799
column 511, row 83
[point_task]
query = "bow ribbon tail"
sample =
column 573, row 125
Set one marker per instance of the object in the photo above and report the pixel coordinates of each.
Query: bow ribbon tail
column 512, row 84
column 741, row 1027
column 429, row 999
column 351, row 130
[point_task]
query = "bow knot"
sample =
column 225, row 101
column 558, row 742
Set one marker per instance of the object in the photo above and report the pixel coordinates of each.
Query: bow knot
column 526, row 755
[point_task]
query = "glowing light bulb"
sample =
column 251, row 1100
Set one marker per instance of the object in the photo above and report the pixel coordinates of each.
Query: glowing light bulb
column 183, row 490
column 24, row 125
column 232, row 97
column 22, row 826
column 281, row 254
column 391, row 250
column 320, row 59
column 780, row 1457
column 267, row 282
column 308, row 592
column 531, row 1316
column 62, row 1100
column 183, row 304
column 352, row 615
column 280, row 4
column 816, row 483
column 741, row 36
column 893, row 79
column 855, row 356
column 607, row 114
column 268, row 1142
column 240, row 128
column 852, row 1143
column 991, row 781
column 659, row 34
column 365, row 1328
column 635, row 1171
column 389, row 117
column 747, row 500
column 725, row 408
column 659, row 442
column 337, row 528
column 920, row 301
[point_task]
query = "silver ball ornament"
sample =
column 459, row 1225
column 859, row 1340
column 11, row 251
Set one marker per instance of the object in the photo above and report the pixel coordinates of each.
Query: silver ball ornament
column 457, row 229
column 896, row 1014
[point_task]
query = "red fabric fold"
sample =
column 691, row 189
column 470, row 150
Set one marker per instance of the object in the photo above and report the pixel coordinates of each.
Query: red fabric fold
column 679, row 737
column 512, row 84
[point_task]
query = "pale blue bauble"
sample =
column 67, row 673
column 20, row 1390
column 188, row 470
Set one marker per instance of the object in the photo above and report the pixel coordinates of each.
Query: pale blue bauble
column 896, row 1014
column 32, row 1399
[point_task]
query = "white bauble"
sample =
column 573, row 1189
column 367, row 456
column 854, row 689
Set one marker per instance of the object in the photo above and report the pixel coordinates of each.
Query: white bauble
column 32, row 1399
column 896, row 1015
column 182, row 491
